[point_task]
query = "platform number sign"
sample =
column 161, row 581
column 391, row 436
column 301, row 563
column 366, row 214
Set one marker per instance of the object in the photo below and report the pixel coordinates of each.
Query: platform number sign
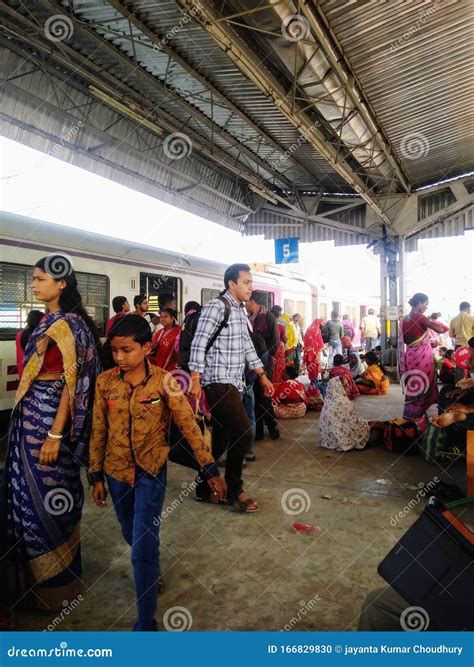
column 287, row 251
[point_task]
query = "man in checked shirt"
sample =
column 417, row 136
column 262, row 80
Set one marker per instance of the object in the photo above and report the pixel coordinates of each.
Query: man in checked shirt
column 220, row 372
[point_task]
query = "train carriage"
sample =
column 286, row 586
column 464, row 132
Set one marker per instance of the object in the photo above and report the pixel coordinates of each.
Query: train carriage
column 107, row 267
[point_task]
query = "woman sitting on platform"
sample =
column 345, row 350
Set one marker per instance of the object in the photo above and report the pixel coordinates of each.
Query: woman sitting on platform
column 356, row 365
column 340, row 427
column 345, row 376
column 374, row 381
column 446, row 372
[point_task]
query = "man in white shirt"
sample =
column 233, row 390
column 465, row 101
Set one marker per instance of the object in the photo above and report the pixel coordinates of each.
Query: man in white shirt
column 370, row 330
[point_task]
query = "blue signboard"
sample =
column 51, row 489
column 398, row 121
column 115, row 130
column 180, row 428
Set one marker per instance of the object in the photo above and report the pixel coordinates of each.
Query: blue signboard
column 287, row 251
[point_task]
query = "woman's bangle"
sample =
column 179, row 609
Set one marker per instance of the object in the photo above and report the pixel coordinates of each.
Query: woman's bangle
column 53, row 436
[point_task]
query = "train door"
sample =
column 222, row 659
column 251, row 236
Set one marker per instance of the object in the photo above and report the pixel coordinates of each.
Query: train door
column 155, row 285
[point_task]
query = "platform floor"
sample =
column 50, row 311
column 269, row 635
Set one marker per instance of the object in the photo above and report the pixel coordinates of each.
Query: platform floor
column 232, row 571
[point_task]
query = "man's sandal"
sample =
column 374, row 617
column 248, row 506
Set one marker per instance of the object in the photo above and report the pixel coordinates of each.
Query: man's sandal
column 248, row 505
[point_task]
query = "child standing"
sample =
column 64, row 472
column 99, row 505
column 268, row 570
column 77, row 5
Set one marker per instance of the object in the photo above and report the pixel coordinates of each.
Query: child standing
column 129, row 449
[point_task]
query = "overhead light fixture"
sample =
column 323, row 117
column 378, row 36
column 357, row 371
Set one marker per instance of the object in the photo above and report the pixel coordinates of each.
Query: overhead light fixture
column 125, row 110
column 263, row 193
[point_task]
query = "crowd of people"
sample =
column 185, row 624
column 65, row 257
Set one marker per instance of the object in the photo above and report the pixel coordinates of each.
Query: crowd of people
column 109, row 405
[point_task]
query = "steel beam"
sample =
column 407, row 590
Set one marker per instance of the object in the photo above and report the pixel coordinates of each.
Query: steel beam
column 240, row 53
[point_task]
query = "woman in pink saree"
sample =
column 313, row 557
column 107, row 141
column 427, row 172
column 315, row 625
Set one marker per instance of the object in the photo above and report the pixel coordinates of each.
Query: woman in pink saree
column 313, row 344
column 415, row 359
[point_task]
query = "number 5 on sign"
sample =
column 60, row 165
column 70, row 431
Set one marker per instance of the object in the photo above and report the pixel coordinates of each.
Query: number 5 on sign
column 287, row 251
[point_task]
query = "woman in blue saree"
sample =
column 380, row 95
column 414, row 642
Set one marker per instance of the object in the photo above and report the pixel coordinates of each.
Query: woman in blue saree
column 48, row 440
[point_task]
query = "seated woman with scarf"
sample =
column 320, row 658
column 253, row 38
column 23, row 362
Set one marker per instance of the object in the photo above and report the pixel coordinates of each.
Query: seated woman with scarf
column 339, row 370
column 289, row 399
column 374, row 381
column 356, row 365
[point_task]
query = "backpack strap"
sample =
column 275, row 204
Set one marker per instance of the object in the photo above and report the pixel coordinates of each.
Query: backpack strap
column 224, row 323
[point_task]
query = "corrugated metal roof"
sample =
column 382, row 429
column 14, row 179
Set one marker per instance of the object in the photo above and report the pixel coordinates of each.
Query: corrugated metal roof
column 409, row 64
column 415, row 62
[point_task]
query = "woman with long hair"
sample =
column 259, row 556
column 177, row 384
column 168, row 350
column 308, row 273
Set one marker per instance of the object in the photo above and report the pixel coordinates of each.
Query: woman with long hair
column 415, row 358
column 165, row 352
column 48, row 439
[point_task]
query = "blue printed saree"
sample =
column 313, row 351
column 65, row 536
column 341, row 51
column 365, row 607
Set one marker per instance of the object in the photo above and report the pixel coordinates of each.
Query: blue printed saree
column 44, row 502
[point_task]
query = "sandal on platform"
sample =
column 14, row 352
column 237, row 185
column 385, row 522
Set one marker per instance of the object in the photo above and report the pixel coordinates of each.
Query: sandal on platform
column 248, row 505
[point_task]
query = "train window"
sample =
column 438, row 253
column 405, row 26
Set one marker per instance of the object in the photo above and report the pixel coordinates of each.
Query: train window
column 323, row 311
column 289, row 307
column 17, row 299
column 94, row 290
column 267, row 297
column 155, row 285
column 207, row 294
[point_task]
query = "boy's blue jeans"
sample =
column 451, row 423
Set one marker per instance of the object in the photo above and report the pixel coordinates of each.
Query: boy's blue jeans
column 138, row 510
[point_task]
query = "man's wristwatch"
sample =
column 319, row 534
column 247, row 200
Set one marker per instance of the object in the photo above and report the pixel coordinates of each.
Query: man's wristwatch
column 262, row 374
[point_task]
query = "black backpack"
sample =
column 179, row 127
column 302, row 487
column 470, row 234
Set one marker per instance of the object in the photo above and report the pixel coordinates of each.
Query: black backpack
column 326, row 333
column 189, row 329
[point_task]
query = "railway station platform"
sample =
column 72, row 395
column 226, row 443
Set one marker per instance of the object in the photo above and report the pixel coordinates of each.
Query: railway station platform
column 232, row 571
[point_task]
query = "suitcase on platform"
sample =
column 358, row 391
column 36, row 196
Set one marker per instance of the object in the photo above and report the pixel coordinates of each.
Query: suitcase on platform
column 432, row 566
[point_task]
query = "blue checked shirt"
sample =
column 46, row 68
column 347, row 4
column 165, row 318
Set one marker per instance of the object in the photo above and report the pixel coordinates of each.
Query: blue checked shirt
column 225, row 361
